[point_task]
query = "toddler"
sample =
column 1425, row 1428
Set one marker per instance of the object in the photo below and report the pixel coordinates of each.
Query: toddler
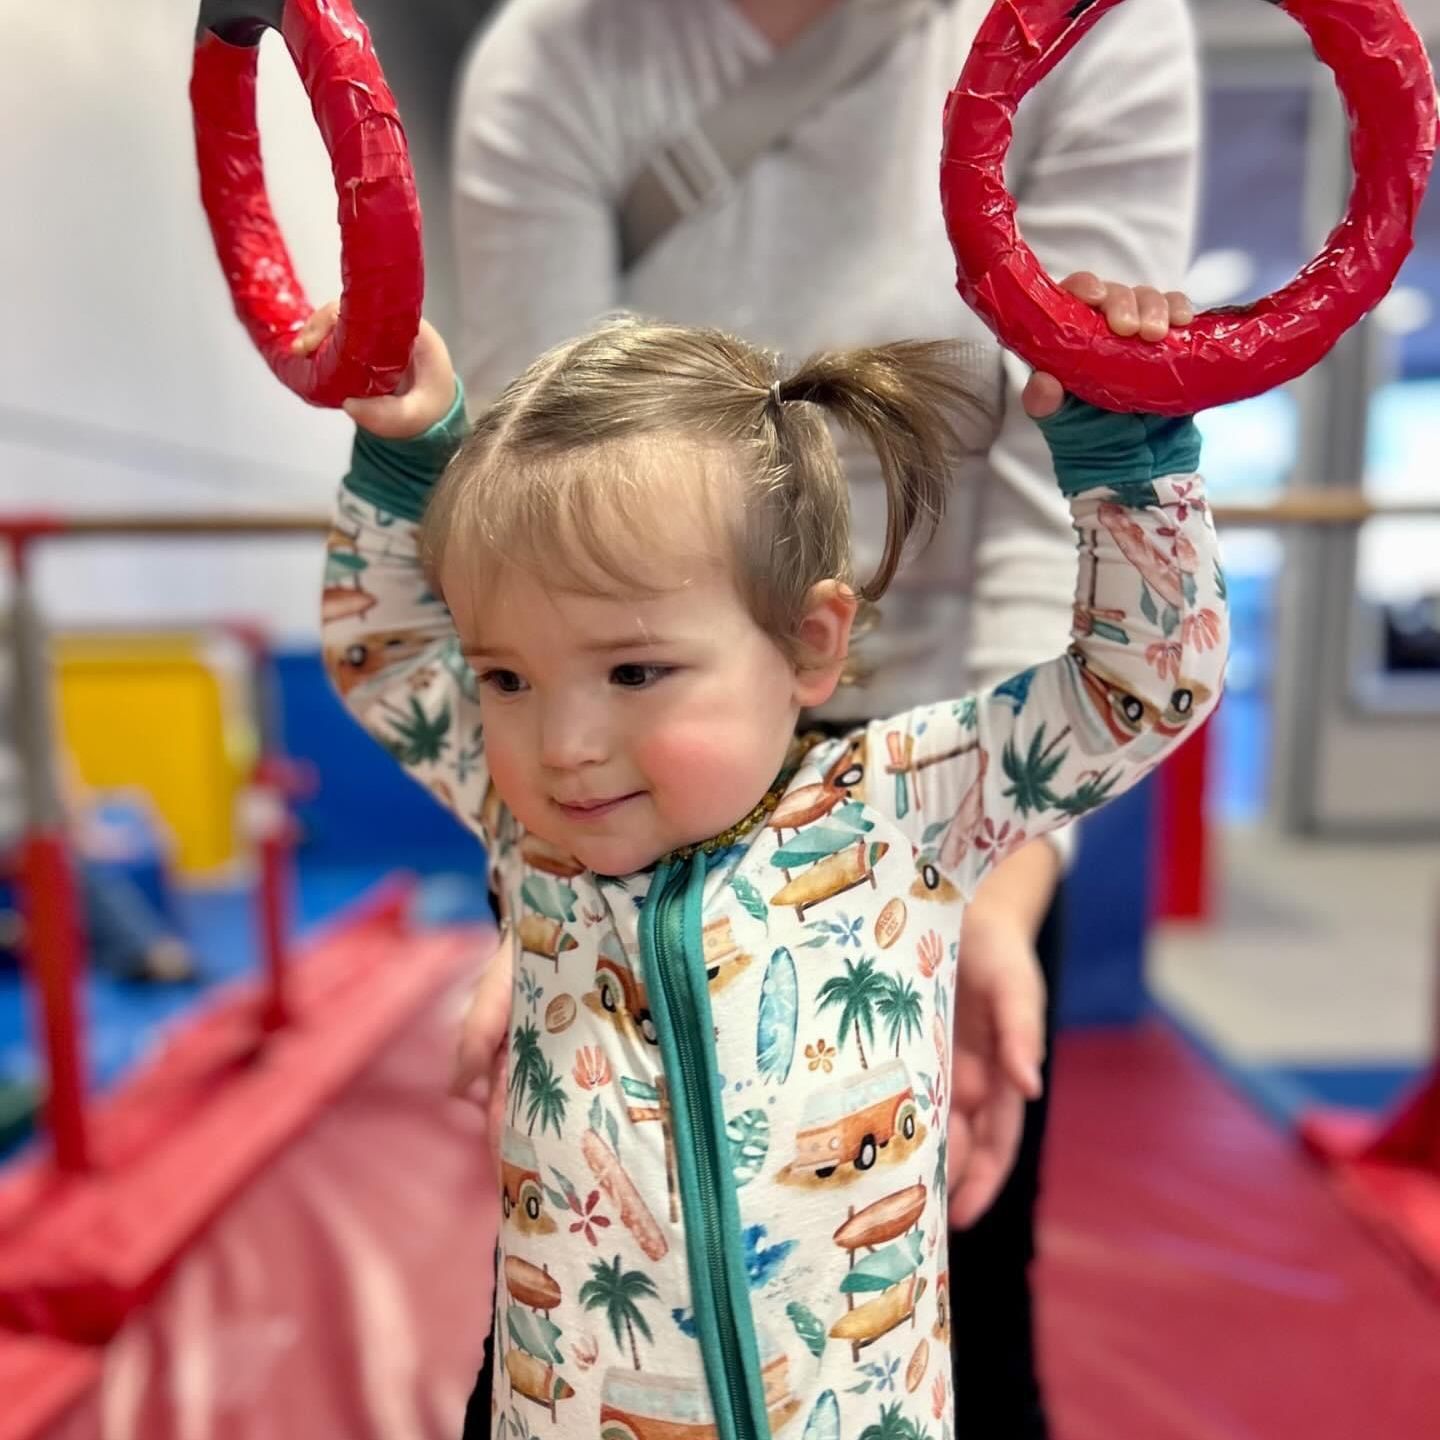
column 590, row 625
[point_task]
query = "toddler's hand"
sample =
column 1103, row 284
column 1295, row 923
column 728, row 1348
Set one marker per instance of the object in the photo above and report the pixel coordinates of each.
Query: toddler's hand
column 424, row 395
column 1130, row 310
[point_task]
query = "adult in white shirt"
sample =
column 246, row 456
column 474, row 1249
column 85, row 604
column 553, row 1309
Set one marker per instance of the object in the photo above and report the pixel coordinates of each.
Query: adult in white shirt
column 834, row 237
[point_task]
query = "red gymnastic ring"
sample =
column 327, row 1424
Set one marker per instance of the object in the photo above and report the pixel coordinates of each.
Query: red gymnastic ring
column 1229, row 353
column 382, row 265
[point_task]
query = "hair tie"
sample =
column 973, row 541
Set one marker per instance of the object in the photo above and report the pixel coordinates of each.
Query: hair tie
column 775, row 397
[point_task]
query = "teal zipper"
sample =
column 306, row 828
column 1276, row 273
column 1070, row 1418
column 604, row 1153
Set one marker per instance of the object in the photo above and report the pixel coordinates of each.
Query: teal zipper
column 706, row 1194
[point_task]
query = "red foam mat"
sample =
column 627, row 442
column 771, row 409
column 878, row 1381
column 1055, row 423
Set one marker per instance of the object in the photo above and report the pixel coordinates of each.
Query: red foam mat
column 1200, row 1279
column 1389, row 1172
column 40, row 1382
column 177, row 1142
column 344, row 1293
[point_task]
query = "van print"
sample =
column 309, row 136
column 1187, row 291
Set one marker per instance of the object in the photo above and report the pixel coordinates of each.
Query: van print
column 619, row 989
column 521, row 1191
column 851, row 1120
column 639, row 1405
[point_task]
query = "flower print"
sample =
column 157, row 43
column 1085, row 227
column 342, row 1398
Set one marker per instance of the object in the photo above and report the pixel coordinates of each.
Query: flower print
column 821, row 1056
column 1202, row 630
column 996, row 844
column 880, row 1374
column 588, row 1221
column 585, row 1351
column 1186, row 500
column 938, row 1396
column 1164, row 655
column 592, row 1068
column 931, row 949
column 841, row 931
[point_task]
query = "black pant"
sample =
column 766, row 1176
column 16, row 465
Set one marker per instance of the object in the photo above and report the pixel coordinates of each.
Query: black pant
column 997, row 1382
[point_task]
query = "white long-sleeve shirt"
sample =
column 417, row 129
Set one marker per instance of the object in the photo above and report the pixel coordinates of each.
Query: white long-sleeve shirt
column 833, row 238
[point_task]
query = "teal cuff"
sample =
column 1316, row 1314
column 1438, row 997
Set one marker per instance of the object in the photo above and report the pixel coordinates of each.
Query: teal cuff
column 397, row 476
column 1093, row 449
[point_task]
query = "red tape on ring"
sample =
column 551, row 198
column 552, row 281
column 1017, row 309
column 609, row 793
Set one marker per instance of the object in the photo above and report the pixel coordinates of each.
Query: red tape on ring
column 382, row 263
column 1230, row 353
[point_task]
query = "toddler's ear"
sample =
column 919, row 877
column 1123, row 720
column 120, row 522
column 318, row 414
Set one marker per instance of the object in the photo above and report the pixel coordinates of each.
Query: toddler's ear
column 824, row 642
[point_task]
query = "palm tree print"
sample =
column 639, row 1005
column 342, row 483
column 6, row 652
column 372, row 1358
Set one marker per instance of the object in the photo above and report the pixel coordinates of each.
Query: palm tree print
column 547, row 1100
column 858, row 992
column 415, row 737
column 900, row 1008
column 1030, row 778
column 616, row 1293
column 524, row 1063
column 892, row 1425
column 1091, row 792
column 470, row 756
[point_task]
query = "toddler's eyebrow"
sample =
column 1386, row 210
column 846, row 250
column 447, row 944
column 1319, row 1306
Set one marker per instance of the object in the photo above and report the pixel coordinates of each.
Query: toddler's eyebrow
column 603, row 646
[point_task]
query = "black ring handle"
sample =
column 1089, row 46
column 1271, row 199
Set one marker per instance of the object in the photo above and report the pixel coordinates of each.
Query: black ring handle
column 239, row 22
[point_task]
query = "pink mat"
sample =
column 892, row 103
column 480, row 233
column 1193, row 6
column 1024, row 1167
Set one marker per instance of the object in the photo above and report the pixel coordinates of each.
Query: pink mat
column 1200, row 1282
column 344, row 1293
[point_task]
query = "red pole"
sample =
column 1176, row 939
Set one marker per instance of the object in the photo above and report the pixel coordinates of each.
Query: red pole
column 52, row 916
column 272, row 830
column 1183, row 878
column 54, row 950
column 272, row 833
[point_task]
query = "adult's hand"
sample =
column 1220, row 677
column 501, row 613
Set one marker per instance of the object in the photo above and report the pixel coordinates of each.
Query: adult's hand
column 482, row 1048
column 999, row 1046
column 999, row 1042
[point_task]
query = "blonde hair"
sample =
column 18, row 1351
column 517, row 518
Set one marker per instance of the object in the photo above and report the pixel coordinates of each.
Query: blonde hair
column 563, row 472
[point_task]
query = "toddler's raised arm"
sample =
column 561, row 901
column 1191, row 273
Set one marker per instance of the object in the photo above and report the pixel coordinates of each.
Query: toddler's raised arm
column 389, row 643
column 972, row 779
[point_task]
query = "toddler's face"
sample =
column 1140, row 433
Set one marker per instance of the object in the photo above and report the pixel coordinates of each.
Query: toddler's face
column 620, row 728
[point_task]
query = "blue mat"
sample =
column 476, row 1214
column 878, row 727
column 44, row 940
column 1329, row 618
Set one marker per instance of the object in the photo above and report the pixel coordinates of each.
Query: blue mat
column 1285, row 1093
column 125, row 1021
column 1353, row 1087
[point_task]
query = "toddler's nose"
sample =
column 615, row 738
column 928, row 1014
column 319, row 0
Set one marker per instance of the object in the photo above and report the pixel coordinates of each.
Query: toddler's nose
column 571, row 737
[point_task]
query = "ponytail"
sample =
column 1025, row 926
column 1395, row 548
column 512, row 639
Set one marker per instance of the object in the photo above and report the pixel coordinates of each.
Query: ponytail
column 903, row 399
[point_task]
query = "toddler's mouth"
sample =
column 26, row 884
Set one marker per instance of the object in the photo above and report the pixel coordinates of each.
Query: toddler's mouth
column 593, row 809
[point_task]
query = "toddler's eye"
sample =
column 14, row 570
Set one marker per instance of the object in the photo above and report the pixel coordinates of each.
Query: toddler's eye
column 503, row 682
column 637, row 677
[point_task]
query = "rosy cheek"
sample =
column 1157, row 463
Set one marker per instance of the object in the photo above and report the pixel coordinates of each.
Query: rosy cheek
column 698, row 757
column 507, row 769
column 668, row 754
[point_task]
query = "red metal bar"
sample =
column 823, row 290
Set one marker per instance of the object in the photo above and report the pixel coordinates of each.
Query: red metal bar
column 54, row 946
column 273, row 897
column 1183, row 877
column 54, row 932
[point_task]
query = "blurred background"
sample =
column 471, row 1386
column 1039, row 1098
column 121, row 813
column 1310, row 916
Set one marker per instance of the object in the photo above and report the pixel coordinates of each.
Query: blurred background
column 1282, row 963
